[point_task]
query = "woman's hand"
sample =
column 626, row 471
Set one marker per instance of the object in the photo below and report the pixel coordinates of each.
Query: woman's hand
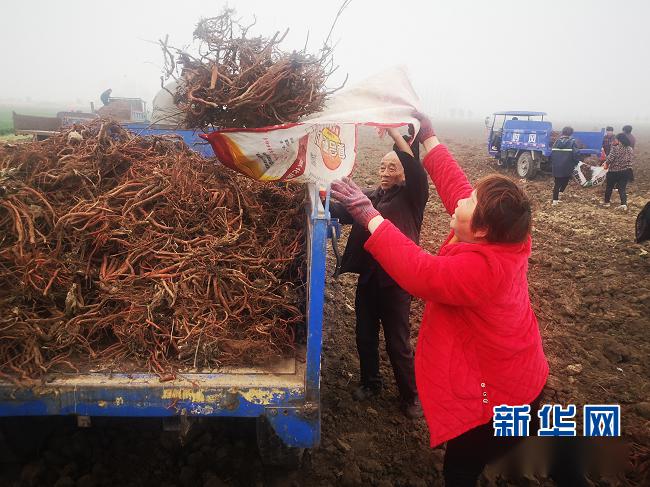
column 426, row 128
column 426, row 135
column 352, row 198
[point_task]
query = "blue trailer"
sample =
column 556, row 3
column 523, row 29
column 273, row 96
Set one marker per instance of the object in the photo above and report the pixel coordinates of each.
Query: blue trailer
column 284, row 398
column 190, row 137
column 524, row 139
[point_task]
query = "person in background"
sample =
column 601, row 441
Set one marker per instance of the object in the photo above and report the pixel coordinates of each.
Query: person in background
column 105, row 97
column 627, row 130
column 564, row 158
column 479, row 343
column 401, row 196
column 608, row 139
column 619, row 168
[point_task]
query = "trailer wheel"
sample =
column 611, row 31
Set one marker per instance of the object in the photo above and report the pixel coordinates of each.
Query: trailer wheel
column 526, row 166
column 273, row 451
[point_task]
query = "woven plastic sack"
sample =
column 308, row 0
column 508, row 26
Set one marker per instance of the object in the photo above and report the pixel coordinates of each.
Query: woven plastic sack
column 598, row 175
column 323, row 147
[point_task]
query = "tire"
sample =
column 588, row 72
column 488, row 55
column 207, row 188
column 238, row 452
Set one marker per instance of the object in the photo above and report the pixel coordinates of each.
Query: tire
column 273, row 451
column 526, row 166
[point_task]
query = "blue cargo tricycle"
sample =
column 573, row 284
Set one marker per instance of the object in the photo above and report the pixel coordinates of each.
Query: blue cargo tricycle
column 524, row 139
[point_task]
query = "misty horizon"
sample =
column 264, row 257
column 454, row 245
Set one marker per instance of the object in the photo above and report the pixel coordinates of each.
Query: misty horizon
column 461, row 61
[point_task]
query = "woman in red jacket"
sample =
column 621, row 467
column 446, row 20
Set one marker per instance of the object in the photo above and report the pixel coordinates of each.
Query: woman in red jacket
column 479, row 344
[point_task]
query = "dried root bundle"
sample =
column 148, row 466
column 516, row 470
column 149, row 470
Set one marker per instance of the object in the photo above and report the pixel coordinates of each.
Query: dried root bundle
column 117, row 249
column 240, row 81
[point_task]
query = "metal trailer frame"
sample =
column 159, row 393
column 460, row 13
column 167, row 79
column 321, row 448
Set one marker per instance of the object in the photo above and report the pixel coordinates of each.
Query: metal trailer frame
column 287, row 395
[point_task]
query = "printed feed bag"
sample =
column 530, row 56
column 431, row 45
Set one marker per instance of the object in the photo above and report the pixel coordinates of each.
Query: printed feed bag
column 323, row 147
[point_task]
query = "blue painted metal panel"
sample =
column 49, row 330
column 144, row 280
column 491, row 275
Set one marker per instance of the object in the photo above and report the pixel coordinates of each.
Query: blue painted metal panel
column 527, row 135
column 137, row 401
column 316, row 301
column 590, row 142
column 295, row 429
column 190, row 137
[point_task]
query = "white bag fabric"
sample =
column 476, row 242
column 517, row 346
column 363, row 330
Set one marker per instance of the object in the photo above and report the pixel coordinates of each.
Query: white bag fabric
column 164, row 112
column 323, row 147
column 598, row 174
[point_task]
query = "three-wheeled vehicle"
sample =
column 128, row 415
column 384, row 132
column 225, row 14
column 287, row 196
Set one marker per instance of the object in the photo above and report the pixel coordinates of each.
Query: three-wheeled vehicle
column 525, row 139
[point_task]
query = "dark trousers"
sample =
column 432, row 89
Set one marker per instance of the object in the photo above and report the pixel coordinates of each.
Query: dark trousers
column 620, row 179
column 559, row 186
column 389, row 305
column 468, row 454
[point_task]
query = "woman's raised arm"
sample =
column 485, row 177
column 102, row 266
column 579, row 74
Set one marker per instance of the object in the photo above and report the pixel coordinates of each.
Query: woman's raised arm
column 447, row 176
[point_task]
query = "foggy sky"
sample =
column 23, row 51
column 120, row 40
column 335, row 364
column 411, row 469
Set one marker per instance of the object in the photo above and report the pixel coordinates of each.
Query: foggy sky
column 577, row 60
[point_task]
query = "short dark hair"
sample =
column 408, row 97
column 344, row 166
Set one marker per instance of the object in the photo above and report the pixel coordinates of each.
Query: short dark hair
column 503, row 209
column 567, row 131
column 609, row 129
column 623, row 139
column 627, row 129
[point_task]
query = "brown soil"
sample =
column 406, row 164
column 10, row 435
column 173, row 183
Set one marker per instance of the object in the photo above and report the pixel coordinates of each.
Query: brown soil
column 590, row 289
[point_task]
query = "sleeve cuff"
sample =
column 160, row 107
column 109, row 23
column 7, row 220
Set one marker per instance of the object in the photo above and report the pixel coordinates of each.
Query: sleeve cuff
column 434, row 153
column 376, row 236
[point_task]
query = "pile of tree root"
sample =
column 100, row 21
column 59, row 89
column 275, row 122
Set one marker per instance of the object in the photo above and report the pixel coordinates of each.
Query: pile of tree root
column 117, row 249
column 239, row 81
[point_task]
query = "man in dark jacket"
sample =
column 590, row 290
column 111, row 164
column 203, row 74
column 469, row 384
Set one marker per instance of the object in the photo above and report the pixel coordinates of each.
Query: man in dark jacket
column 564, row 158
column 401, row 197
column 105, row 97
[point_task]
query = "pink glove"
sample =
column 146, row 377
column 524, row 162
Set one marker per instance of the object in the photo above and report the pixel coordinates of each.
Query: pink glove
column 352, row 198
column 426, row 129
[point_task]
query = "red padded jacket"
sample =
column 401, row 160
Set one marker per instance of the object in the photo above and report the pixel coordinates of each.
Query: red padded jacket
column 479, row 344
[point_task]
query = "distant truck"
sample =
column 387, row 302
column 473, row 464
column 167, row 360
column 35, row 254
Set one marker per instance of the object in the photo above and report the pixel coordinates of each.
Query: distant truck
column 126, row 110
column 525, row 139
column 41, row 128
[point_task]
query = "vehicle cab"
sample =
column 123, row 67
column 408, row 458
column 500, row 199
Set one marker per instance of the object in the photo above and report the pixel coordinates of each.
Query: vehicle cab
column 518, row 130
